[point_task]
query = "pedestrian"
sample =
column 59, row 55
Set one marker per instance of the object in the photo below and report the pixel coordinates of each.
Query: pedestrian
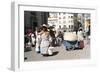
column 33, row 38
column 38, row 40
column 44, row 46
column 27, row 42
column 89, row 31
column 52, row 41
column 80, row 39
column 59, row 38
column 52, row 37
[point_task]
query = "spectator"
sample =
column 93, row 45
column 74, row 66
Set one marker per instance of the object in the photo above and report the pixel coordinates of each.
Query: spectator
column 59, row 38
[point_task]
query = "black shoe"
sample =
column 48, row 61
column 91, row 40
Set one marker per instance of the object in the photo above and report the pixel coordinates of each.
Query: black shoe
column 38, row 51
column 33, row 45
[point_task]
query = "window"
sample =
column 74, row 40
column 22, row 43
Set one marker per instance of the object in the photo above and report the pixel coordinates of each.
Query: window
column 64, row 22
column 72, row 27
column 59, row 22
column 64, row 13
column 59, row 27
column 64, row 17
column 69, row 26
column 71, row 16
column 59, row 17
column 59, row 13
column 64, row 26
column 71, row 21
column 68, row 16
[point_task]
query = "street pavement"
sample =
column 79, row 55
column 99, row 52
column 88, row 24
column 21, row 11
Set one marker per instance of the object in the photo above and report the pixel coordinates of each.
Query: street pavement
column 60, row 53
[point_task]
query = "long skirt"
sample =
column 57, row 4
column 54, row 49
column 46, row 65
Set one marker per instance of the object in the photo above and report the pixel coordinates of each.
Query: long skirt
column 44, row 46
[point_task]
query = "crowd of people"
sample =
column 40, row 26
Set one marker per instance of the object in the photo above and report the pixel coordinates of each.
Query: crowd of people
column 44, row 39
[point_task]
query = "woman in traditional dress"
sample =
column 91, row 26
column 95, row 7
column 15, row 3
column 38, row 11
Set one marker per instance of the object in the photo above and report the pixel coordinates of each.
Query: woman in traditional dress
column 44, row 46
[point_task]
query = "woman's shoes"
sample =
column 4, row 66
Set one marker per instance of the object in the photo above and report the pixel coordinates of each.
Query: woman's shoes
column 38, row 52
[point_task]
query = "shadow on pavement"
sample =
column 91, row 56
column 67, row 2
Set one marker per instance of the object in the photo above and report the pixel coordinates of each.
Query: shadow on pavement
column 54, row 53
column 70, row 49
column 78, row 49
column 27, row 49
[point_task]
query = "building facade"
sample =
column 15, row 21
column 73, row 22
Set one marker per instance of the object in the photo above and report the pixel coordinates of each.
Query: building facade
column 61, row 20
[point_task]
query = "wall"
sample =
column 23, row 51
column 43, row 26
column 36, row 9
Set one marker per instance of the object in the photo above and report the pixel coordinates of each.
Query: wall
column 5, row 31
